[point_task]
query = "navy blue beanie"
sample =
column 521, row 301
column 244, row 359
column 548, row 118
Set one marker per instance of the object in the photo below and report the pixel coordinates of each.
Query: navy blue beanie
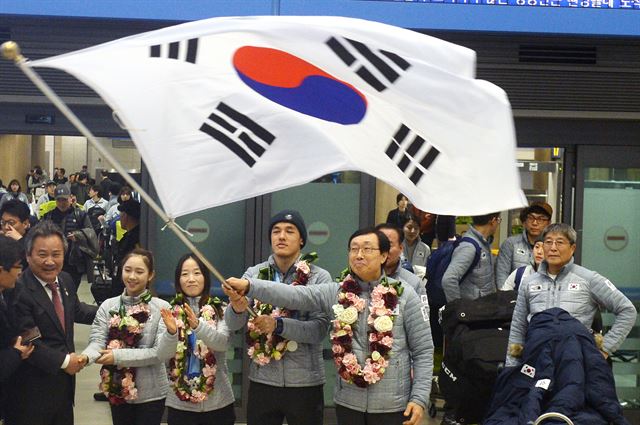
column 293, row 217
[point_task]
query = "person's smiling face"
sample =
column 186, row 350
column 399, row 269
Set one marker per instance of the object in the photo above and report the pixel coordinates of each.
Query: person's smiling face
column 135, row 275
column 191, row 278
column 365, row 258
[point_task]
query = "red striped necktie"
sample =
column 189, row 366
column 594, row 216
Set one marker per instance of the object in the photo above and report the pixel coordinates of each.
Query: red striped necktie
column 57, row 302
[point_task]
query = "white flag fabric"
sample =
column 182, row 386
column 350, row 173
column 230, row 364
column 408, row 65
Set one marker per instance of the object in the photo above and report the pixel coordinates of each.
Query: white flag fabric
column 226, row 109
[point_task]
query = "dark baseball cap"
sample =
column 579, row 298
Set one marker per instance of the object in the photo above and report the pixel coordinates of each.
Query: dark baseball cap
column 62, row 191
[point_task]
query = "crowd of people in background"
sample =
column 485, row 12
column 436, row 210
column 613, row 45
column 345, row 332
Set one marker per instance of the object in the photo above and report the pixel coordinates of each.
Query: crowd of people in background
column 88, row 211
column 377, row 314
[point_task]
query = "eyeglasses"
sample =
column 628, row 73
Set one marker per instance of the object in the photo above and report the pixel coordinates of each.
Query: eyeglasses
column 11, row 223
column 537, row 218
column 367, row 250
column 559, row 243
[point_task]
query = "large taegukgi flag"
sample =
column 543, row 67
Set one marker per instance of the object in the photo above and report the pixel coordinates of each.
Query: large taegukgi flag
column 229, row 108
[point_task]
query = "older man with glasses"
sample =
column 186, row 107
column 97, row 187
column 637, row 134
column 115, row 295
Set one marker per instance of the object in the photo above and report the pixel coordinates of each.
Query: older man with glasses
column 579, row 291
column 517, row 250
column 380, row 334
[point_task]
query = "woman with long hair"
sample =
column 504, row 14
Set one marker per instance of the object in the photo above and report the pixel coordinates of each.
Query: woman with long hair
column 200, row 392
column 124, row 340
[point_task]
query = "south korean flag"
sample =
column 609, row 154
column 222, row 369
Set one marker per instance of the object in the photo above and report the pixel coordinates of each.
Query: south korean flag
column 530, row 371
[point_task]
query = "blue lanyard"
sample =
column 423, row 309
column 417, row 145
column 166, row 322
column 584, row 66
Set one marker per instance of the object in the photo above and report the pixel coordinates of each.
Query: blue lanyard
column 277, row 276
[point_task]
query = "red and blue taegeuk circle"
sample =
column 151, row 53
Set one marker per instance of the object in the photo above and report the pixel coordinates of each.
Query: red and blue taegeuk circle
column 298, row 85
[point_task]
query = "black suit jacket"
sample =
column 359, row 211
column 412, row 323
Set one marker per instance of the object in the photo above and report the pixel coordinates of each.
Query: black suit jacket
column 9, row 356
column 39, row 384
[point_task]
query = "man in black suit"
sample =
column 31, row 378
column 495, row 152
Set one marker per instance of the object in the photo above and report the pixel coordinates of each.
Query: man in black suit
column 12, row 350
column 43, row 387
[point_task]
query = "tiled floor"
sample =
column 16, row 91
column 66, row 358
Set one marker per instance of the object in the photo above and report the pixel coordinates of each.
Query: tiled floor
column 88, row 411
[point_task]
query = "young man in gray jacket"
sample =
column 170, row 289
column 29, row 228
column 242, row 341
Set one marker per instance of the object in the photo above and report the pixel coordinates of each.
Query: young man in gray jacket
column 561, row 283
column 516, row 250
column 289, row 387
column 365, row 394
column 481, row 280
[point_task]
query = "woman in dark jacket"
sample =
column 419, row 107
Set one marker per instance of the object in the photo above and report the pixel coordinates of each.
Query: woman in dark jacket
column 12, row 350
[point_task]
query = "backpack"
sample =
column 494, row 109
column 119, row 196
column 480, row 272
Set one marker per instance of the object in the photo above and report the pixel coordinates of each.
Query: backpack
column 93, row 213
column 437, row 265
column 477, row 335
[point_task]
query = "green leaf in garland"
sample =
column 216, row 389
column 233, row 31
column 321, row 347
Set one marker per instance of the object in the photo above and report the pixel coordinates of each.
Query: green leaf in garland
column 177, row 300
column 146, row 297
column 310, row 257
column 343, row 275
column 265, row 273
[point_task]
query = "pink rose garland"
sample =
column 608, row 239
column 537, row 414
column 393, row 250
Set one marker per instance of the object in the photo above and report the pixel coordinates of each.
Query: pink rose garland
column 384, row 300
column 264, row 348
column 125, row 331
column 197, row 389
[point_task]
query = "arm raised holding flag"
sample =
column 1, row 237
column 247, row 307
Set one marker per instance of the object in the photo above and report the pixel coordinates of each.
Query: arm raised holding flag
column 379, row 334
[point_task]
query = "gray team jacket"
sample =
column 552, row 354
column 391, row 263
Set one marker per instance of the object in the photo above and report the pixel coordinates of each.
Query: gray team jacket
column 305, row 366
column 420, row 253
column 147, row 358
column 412, row 344
column 481, row 280
column 217, row 339
column 577, row 290
column 515, row 252
column 406, row 276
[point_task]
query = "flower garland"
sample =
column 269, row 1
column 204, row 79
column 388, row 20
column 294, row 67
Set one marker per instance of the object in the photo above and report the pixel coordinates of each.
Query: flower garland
column 384, row 300
column 265, row 347
column 125, row 331
column 196, row 389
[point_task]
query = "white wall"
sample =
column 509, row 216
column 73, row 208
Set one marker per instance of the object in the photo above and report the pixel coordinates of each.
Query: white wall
column 128, row 157
column 73, row 153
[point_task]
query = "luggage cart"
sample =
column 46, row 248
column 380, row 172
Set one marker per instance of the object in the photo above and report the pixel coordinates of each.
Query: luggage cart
column 552, row 415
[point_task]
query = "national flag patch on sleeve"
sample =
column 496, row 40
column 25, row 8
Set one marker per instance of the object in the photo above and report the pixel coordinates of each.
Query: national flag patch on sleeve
column 530, row 371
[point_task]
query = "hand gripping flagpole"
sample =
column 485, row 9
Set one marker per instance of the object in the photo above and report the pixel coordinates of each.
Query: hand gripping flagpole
column 11, row 51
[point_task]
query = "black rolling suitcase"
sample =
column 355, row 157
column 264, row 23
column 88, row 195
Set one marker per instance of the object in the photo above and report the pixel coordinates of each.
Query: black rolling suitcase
column 102, row 283
column 476, row 335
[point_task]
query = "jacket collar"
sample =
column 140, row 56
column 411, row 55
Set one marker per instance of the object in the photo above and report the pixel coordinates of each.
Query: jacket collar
column 543, row 269
column 272, row 263
column 487, row 241
column 525, row 238
column 368, row 286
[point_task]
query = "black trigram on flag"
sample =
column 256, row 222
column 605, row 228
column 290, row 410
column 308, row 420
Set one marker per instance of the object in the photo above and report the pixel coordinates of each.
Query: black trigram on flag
column 238, row 133
column 372, row 66
column 173, row 50
column 405, row 145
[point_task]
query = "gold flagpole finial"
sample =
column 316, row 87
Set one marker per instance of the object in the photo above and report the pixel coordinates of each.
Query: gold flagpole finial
column 11, row 51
